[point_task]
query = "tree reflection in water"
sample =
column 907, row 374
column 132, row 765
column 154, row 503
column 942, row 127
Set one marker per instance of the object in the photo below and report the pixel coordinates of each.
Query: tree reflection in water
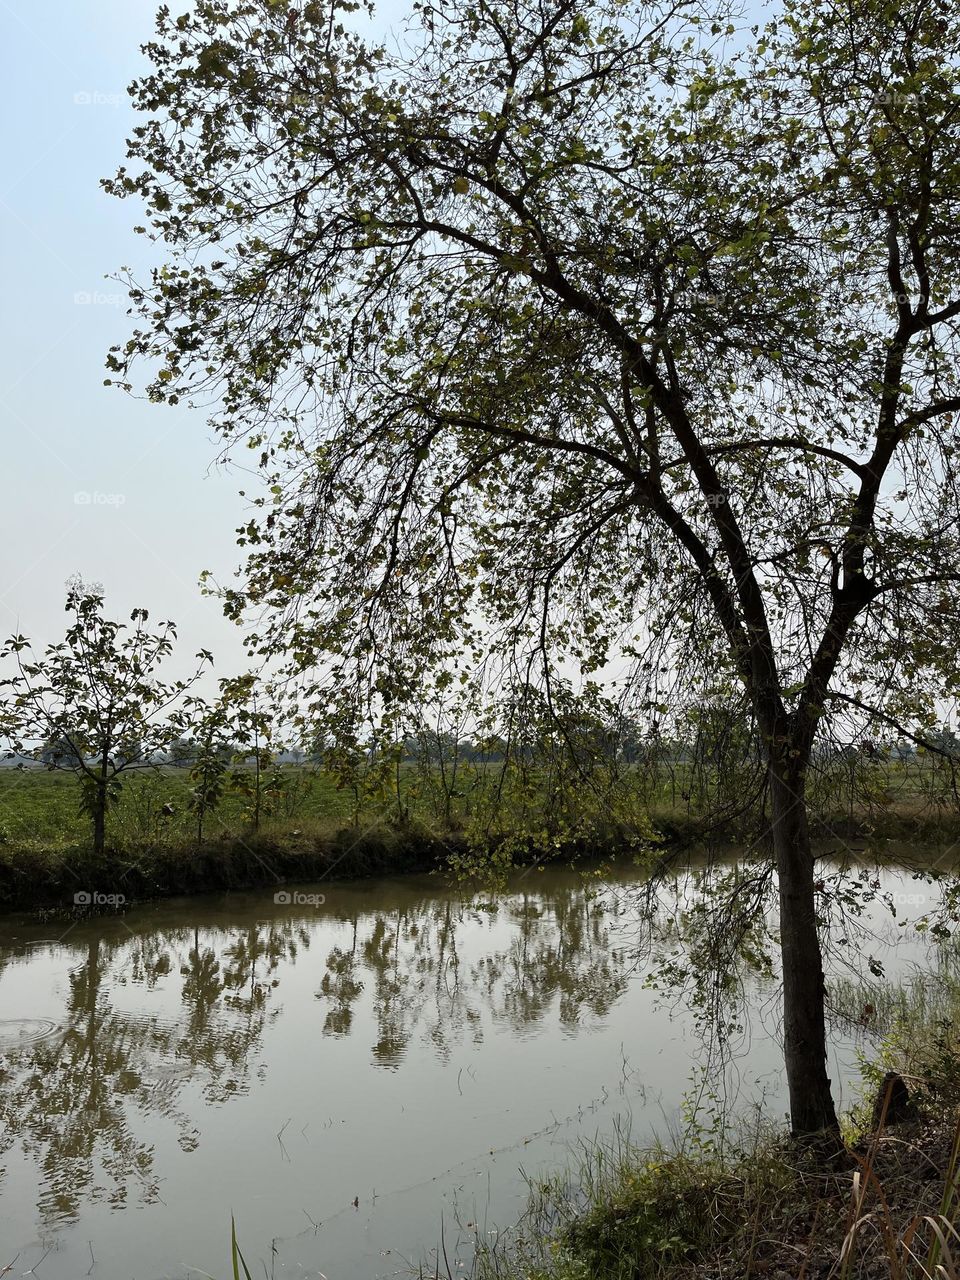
column 75, row 1101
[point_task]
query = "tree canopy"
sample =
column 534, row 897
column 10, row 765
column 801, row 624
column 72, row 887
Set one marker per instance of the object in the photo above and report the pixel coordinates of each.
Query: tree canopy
column 501, row 310
column 574, row 330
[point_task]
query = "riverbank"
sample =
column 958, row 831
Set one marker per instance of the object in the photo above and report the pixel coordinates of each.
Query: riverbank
column 41, row 875
column 308, row 826
column 40, row 878
column 724, row 1204
column 675, row 1217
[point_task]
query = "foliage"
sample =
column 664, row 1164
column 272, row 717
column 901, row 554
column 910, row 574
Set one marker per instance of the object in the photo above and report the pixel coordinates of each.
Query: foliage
column 494, row 345
column 758, row 1206
column 255, row 775
column 917, row 1025
column 97, row 696
column 718, row 936
column 209, row 761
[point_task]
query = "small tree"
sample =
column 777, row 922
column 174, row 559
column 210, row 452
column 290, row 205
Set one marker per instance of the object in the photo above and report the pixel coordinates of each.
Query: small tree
column 93, row 705
column 256, row 776
column 206, row 730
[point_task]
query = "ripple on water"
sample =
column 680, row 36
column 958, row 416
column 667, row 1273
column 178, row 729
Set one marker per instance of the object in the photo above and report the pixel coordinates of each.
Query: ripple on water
column 16, row 1032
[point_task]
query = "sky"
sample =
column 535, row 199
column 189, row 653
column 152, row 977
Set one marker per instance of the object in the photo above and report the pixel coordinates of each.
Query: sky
column 94, row 482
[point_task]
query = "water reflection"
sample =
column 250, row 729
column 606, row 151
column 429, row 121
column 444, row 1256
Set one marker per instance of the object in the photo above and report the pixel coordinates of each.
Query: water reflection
column 346, row 1077
column 74, row 1099
column 165, row 1017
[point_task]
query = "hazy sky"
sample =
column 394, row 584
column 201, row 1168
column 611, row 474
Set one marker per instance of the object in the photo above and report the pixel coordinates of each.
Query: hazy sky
column 94, row 482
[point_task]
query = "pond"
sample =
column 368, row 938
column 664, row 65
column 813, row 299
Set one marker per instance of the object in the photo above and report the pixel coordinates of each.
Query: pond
column 361, row 1080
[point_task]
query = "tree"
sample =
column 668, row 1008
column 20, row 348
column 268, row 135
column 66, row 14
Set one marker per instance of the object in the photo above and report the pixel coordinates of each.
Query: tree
column 182, row 751
column 583, row 328
column 96, row 695
column 231, row 746
column 209, row 756
column 256, row 775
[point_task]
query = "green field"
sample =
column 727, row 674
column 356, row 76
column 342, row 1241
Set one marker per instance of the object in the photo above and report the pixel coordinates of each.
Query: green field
column 542, row 803
column 307, row 822
column 38, row 807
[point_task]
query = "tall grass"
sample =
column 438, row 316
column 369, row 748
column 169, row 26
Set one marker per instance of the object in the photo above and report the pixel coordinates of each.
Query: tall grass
column 923, row 1246
column 236, row 1256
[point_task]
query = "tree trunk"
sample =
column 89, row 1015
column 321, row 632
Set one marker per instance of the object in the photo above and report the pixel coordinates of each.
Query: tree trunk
column 812, row 1109
column 99, row 820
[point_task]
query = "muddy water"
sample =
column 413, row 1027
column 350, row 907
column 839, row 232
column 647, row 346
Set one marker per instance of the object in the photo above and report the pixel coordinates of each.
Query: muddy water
column 354, row 1079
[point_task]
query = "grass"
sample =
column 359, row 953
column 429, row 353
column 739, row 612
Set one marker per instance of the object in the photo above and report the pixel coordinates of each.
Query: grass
column 309, row 830
column 309, row 827
column 766, row 1210
column 40, row 807
column 236, row 1257
column 50, row 879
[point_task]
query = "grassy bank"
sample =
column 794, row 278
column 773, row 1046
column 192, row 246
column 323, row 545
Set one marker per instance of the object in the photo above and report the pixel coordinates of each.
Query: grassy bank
column 38, row 806
column 725, row 1205
column 304, row 826
column 670, row 1216
column 317, row 833
column 45, row 877
column 307, row 825
column 40, row 875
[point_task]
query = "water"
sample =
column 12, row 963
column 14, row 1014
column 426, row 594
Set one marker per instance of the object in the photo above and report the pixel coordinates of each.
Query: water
column 356, row 1081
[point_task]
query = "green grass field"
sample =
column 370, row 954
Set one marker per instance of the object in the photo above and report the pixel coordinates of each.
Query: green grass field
column 41, row 808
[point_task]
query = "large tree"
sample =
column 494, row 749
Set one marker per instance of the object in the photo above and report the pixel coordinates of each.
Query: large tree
column 574, row 328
